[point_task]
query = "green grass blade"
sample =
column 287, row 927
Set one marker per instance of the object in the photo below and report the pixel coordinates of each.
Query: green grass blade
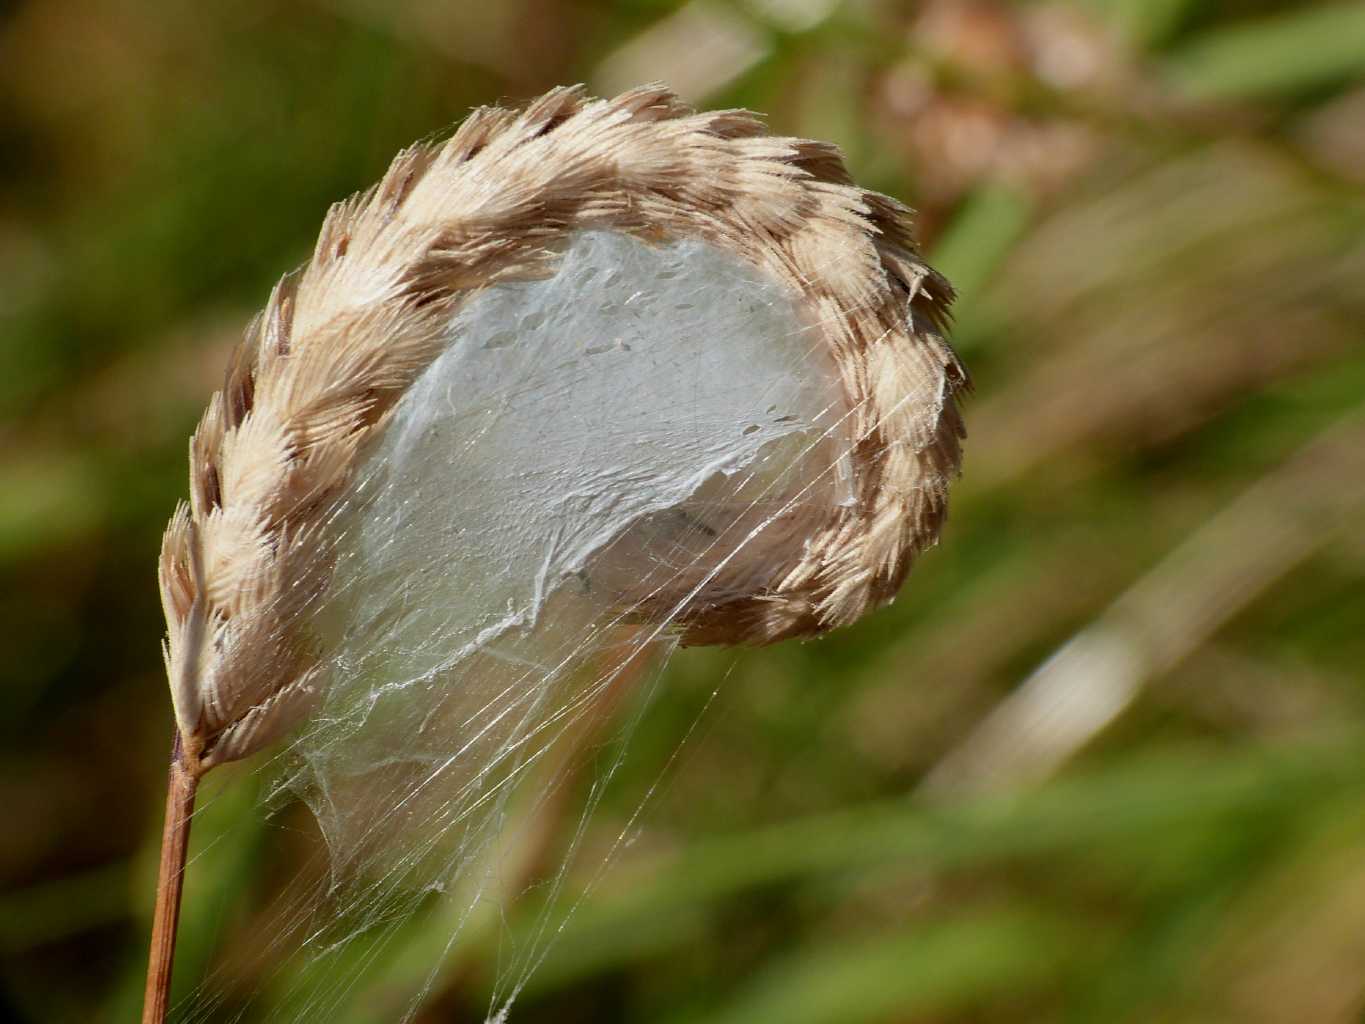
column 1280, row 56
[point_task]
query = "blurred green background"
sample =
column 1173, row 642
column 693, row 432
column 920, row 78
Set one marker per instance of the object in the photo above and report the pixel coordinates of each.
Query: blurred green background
column 1102, row 761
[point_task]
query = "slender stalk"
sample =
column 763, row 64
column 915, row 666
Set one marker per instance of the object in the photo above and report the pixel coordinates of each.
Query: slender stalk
column 175, row 839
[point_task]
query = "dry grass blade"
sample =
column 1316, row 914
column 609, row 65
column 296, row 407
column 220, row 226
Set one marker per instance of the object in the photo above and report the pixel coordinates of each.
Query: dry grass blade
column 1165, row 616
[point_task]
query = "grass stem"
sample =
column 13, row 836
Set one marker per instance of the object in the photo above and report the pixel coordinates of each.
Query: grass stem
column 175, row 838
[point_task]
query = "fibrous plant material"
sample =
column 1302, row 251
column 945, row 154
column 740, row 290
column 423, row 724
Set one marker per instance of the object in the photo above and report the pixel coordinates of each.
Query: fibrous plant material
column 593, row 365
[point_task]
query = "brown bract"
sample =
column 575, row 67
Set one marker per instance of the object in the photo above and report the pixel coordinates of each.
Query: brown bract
column 342, row 338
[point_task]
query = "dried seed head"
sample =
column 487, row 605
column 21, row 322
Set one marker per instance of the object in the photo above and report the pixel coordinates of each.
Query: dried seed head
column 311, row 388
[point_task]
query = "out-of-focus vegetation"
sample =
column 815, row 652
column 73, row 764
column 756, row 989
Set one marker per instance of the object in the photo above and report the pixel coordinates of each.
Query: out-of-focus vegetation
column 1105, row 758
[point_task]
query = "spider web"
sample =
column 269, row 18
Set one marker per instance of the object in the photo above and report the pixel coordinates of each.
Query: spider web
column 652, row 419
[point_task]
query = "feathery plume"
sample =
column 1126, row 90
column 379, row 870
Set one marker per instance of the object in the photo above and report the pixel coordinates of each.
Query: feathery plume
column 343, row 337
column 318, row 375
